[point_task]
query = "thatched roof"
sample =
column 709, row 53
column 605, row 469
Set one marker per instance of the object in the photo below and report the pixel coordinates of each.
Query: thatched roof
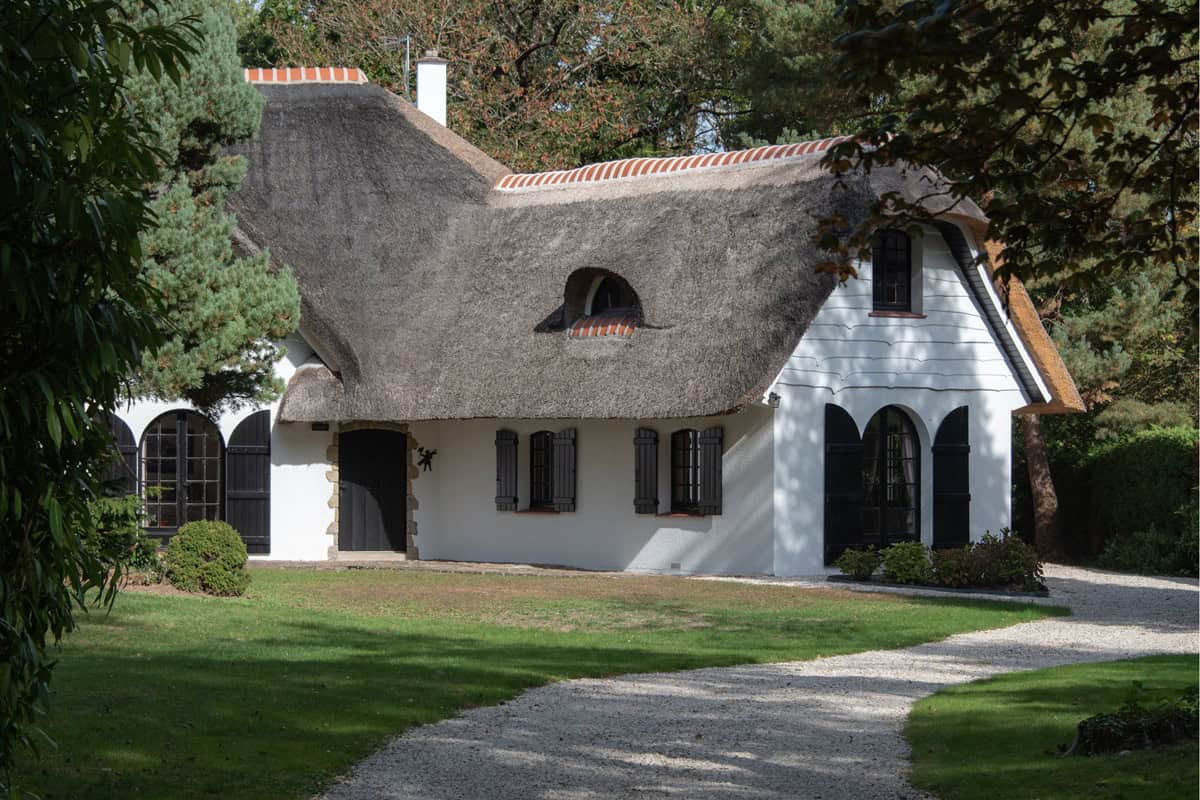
column 1064, row 395
column 430, row 293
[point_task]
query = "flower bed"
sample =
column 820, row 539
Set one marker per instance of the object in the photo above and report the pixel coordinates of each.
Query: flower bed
column 1003, row 562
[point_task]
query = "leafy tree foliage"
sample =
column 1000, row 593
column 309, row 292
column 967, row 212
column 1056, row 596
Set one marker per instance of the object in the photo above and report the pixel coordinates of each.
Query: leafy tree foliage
column 226, row 311
column 1133, row 339
column 76, row 312
column 254, row 21
column 785, row 87
column 539, row 85
column 1073, row 120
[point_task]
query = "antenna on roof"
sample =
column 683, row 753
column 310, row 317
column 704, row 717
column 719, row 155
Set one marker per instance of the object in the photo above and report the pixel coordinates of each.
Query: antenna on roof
column 393, row 43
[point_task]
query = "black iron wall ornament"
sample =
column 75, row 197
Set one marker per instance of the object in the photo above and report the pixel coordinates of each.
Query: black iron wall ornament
column 426, row 458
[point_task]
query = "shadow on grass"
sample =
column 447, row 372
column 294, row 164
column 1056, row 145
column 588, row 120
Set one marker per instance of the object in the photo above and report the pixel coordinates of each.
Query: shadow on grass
column 999, row 738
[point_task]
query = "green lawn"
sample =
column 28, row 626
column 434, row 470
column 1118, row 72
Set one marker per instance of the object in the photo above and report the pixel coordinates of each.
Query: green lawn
column 998, row 738
column 272, row 695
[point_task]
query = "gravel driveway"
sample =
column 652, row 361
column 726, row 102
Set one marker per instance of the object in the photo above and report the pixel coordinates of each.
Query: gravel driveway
column 829, row 728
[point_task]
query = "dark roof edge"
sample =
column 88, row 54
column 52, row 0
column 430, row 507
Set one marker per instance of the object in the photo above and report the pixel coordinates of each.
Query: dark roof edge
column 961, row 250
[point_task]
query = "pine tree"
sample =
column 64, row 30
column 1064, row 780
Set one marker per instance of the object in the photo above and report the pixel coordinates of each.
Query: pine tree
column 227, row 312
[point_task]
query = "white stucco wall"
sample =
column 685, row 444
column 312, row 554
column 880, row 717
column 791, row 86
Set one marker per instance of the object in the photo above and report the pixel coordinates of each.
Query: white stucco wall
column 300, row 512
column 929, row 367
column 457, row 517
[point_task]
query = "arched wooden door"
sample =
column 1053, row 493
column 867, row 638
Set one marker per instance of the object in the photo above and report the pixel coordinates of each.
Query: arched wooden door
column 372, row 491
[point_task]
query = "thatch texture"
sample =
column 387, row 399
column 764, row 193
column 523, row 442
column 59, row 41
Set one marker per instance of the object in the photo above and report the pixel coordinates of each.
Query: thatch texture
column 427, row 293
column 1064, row 395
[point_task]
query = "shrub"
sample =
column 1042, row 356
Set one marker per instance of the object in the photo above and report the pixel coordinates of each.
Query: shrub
column 907, row 562
column 1140, row 482
column 117, row 529
column 1153, row 552
column 1138, row 725
column 1005, row 560
column 1126, row 416
column 1188, row 547
column 952, row 568
column 858, row 564
column 207, row 556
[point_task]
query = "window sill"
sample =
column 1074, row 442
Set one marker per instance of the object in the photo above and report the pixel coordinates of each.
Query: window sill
column 896, row 314
column 535, row 511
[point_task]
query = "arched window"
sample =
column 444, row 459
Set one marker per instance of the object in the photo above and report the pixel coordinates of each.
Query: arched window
column 541, row 470
column 611, row 294
column 685, row 471
column 182, row 470
column 891, row 271
column 891, row 469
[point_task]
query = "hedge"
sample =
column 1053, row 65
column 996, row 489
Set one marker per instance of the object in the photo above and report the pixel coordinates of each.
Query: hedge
column 1142, row 482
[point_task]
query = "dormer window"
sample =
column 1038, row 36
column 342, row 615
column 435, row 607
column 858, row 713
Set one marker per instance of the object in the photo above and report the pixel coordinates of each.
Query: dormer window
column 610, row 294
column 599, row 304
column 891, row 271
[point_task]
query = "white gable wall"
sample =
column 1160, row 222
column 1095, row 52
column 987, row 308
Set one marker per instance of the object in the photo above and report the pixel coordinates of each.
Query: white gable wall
column 929, row 367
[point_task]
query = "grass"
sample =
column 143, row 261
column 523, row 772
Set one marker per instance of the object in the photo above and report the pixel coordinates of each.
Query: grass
column 999, row 737
column 272, row 695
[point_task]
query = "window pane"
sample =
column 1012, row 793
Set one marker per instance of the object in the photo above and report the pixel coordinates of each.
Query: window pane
column 685, row 471
column 892, row 270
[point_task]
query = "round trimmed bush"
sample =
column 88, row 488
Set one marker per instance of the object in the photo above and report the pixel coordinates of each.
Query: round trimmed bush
column 207, row 556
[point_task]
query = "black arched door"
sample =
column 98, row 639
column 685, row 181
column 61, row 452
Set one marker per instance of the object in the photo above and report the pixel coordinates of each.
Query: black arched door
column 891, row 470
column 372, row 489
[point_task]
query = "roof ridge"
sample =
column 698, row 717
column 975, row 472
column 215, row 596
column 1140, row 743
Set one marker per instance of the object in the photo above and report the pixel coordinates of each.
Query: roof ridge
column 304, row 75
column 637, row 167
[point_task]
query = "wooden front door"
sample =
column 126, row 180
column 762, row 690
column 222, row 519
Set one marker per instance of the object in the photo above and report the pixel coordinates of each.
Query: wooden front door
column 372, row 488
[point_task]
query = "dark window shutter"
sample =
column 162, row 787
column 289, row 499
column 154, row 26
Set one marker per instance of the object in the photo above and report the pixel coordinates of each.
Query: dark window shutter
column 564, row 470
column 121, row 476
column 645, row 471
column 952, row 481
column 506, row 471
column 843, row 483
column 710, row 470
column 248, row 481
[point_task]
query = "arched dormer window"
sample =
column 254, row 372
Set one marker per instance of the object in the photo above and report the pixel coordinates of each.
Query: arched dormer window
column 610, row 293
column 599, row 303
column 891, row 271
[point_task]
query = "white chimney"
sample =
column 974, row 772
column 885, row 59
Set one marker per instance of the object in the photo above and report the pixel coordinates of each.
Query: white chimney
column 431, row 86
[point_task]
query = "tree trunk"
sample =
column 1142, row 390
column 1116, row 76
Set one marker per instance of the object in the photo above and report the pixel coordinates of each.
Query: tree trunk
column 1041, row 484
